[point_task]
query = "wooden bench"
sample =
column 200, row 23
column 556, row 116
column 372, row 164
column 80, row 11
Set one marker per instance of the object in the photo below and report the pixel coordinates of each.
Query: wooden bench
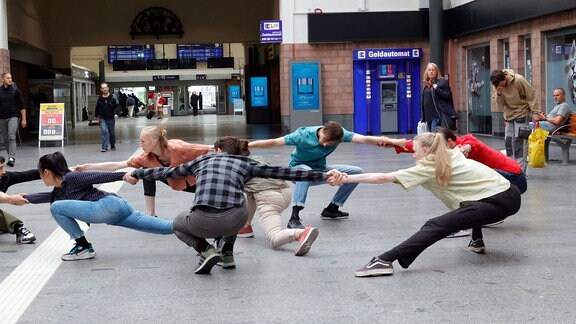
column 563, row 136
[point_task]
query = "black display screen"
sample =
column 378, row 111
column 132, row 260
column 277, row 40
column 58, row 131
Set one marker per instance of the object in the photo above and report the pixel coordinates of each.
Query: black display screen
column 130, row 52
column 200, row 52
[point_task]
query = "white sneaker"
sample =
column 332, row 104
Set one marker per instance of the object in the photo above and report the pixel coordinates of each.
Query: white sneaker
column 493, row 224
column 459, row 234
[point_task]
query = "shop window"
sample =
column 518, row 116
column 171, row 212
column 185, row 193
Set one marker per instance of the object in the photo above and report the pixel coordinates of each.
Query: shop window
column 479, row 115
column 561, row 66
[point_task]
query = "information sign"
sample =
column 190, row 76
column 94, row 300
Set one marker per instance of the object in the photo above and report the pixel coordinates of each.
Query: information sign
column 51, row 122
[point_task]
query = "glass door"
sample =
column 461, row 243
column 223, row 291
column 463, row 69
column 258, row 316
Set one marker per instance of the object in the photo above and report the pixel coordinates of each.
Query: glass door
column 479, row 116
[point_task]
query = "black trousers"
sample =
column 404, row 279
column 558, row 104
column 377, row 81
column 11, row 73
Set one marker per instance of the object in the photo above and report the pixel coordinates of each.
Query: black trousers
column 150, row 187
column 473, row 215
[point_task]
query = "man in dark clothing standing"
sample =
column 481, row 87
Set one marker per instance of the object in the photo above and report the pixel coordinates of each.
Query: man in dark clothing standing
column 194, row 103
column 11, row 108
column 200, row 103
column 107, row 111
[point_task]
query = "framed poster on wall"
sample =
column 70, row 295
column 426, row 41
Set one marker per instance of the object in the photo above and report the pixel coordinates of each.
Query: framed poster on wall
column 259, row 91
column 305, row 85
column 305, row 94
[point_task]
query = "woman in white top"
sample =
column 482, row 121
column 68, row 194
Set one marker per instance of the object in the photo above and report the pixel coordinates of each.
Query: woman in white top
column 475, row 194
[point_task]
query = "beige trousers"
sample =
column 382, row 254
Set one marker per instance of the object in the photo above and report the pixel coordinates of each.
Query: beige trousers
column 269, row 205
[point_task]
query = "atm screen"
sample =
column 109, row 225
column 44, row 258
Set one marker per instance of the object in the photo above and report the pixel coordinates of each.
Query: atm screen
column 388, row 92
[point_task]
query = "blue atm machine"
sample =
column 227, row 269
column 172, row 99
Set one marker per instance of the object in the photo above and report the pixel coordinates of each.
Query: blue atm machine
column 387, row 90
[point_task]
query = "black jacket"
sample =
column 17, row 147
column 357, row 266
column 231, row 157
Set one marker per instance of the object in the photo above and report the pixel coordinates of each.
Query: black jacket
column 11, row 102
column 106, row 108
column 437, row 100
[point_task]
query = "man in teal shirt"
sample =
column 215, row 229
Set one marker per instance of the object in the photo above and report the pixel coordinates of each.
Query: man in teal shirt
column 312, row 146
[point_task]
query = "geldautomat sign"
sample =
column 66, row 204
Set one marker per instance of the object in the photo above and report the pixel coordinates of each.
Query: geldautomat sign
column 388, row 54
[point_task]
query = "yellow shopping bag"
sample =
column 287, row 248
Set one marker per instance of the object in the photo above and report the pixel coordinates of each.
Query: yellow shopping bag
column 536, row 158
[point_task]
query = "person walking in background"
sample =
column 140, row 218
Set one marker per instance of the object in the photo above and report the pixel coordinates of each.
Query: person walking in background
column 559, row 116
column 437, row 100
column 75, row 198
column 161, row 101
column 200, row 102
column 313, row 145
column 475, row 194
column 194, row 103
column 107, row 111
column 159, row 151
column 11, row 109
column 517, row 99
column 130, row 103
column 268, row 198
column 219, row 208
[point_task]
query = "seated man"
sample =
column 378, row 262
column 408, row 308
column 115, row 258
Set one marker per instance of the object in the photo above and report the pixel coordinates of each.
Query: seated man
column 558, row 116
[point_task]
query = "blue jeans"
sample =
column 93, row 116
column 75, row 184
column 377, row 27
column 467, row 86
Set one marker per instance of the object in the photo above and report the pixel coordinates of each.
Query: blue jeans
column 433, row 124
column 108, row 134
column 110, row 210
column 301, row 188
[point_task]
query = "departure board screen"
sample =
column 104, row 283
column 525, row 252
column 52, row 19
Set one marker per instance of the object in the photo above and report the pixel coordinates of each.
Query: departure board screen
column 200, row 52
column 130, row 52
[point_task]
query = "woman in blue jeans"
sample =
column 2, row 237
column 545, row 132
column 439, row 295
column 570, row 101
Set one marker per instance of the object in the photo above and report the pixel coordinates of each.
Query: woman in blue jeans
column 75, row 198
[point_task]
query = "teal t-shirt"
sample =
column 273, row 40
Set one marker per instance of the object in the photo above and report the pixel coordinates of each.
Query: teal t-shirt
column 308, row 150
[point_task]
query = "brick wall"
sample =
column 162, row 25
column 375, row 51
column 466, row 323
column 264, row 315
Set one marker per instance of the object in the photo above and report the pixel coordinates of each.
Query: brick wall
column 336, row 70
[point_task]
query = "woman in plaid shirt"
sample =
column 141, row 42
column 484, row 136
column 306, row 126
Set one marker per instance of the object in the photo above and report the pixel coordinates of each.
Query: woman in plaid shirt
column 219, row 208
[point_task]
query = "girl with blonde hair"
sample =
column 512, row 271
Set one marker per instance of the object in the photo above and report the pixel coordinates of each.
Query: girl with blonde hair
column 475, row 194
column 159, row 151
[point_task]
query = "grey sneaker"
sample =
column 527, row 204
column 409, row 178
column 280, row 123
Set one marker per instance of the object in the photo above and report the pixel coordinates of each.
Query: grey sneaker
column 375, row 267
column 79, row 253
column 208, row 260
column 227, row 260
column 24, row 236
column 477, row 246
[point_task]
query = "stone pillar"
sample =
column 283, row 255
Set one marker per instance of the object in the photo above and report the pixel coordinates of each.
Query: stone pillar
column 436, row 11
column 4, row 52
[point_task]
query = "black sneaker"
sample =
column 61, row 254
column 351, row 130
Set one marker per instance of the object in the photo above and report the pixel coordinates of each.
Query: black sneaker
column 24, row 236
column 113, row 148
column 334, row 215
column 477, row 246
column 295, row 222
column 375, row 267
column 11, row 162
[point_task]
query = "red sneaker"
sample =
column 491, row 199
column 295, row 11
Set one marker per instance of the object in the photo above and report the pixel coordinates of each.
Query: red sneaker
column 246, row 232
column 305, row 241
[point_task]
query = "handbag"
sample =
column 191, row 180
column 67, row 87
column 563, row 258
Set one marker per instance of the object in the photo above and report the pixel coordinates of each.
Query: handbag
column 422, row 127
column 446, row 121
column 524, row 132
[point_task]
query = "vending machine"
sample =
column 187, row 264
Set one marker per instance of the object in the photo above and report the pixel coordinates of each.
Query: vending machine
column 389, row 106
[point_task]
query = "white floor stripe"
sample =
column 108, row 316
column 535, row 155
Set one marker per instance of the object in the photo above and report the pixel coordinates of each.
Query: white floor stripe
column 22, row 286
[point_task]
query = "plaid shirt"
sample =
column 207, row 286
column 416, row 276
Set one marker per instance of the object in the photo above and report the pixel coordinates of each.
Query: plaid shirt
column 220, row 178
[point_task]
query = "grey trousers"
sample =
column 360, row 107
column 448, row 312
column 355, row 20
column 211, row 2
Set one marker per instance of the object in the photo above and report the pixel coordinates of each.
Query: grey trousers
column 9, row 127
column 192, row 227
